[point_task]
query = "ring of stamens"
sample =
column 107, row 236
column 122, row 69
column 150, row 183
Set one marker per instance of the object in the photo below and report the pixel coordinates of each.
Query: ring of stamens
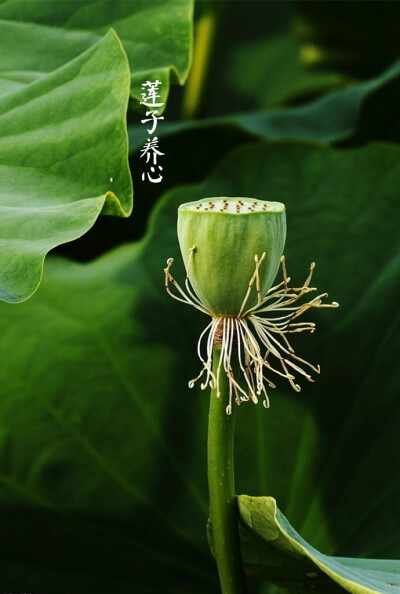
column 235, row 333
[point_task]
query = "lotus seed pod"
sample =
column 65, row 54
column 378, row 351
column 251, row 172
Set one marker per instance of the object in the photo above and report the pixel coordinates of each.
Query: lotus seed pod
column 227, row 234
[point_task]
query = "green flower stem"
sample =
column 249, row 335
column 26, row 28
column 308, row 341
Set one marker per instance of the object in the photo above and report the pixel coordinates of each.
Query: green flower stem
column 204, row 38
column 221, row 485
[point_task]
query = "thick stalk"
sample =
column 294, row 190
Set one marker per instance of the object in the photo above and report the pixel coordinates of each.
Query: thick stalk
column 221, row 486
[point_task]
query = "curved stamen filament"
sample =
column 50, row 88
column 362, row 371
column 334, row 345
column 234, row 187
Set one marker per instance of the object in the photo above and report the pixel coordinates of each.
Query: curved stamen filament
column 254, row 279
column 169, row 279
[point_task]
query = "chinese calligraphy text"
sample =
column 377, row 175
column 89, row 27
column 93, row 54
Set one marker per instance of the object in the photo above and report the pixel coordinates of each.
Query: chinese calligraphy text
column 150, row 150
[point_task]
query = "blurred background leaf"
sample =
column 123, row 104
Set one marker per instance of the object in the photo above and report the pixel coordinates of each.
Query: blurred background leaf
column 41, row 35
column 269, row 72
column 358, row 38
column 351, row 116
column 53, row 135
column 103, row 445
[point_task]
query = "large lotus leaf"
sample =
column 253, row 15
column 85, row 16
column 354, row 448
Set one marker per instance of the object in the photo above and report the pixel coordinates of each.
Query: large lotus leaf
column 40, row 35
column 271, row 547
column 103, row 446
column 63, row 160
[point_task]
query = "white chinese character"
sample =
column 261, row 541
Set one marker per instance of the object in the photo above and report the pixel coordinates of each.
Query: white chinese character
column 150, row 149
column 154, row 180
column 154, row 117
column 150, row 96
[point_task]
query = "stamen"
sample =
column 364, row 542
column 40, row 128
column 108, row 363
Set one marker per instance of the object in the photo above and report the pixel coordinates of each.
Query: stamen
column 246, row 371
column 256, row 278
column 284, row 272
column 192, row 295
column 229, row 336
column 270, row 329
column 184, row 299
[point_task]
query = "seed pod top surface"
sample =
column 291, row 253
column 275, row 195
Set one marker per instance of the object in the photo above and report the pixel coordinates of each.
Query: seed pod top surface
column 227, row 234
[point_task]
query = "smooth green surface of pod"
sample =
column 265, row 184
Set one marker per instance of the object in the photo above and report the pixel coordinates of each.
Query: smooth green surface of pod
column 227, row 233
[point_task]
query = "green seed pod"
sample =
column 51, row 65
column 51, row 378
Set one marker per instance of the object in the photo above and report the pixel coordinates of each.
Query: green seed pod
column 227, row 234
